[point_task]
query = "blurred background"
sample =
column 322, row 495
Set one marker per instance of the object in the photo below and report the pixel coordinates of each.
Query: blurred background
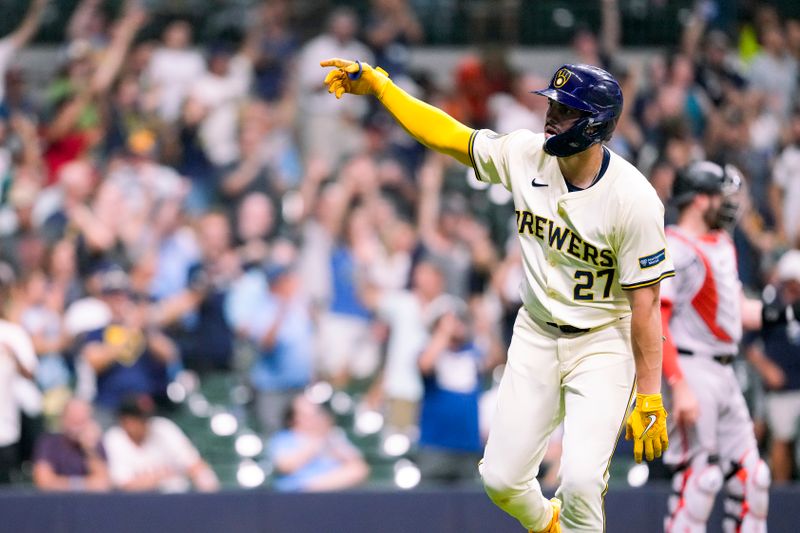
column 215, row 276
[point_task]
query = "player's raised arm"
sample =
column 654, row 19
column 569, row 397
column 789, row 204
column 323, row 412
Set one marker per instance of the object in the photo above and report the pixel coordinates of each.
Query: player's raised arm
column 431, row 126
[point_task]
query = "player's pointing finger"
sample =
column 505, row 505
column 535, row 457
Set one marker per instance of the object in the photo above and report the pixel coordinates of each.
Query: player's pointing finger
column 336, row 62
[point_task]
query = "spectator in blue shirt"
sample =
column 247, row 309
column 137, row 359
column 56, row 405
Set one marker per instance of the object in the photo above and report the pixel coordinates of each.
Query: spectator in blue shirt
column 195, row 315
column 281, row 329
column 312, row 454
column 451, row 365
column 129, row 355
column 779, row 367
column 348, row 348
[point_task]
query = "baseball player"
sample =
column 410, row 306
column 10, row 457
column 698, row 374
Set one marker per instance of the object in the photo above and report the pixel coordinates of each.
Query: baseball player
column 703, row 311
column 594, row 251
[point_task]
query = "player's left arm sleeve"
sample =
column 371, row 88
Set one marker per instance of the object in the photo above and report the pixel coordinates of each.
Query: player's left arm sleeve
column 429, row 125
column 642, row 254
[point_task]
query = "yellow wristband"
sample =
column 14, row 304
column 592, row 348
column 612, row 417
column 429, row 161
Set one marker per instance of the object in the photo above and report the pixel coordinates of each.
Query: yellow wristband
column 649, row 402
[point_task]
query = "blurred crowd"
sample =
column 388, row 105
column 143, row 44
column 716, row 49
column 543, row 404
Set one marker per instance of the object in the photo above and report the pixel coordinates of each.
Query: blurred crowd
column 173, row 208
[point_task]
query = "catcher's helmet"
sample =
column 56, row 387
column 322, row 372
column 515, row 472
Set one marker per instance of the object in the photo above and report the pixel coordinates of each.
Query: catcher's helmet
column 706, row 177
column 591, row 90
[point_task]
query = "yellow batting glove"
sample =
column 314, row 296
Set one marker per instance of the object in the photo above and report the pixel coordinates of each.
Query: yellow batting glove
column 354, row 77
column 647, row 426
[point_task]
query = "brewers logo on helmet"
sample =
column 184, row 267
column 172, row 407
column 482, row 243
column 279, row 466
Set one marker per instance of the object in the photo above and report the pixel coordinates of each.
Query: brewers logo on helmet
column 561, row 78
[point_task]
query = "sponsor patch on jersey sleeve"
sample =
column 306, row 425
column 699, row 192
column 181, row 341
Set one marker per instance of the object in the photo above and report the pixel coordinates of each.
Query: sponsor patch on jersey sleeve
column 653, row 259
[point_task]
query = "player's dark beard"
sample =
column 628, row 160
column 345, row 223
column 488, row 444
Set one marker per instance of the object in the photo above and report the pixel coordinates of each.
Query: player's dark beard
column 712, row 218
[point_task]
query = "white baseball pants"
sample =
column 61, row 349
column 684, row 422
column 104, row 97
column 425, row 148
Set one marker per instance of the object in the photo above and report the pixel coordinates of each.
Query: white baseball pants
column 584, row 379
column 724, row 427
column 719, row 451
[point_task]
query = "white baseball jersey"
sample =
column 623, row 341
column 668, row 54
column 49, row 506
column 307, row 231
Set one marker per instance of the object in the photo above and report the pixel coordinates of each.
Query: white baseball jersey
column 705, row 295
column 580, row 249
column 706, row 321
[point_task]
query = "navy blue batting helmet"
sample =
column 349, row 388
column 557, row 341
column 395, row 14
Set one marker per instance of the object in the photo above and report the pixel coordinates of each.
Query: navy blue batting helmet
column 591, row 90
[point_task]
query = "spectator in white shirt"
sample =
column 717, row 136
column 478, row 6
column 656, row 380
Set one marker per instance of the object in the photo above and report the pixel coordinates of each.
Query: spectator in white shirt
column 406, row 313
column 214, row 103
column 17, row 364
column 174, row 68
column 785, row 187
column 330, row 132
column 773, row 71
column 150, row 453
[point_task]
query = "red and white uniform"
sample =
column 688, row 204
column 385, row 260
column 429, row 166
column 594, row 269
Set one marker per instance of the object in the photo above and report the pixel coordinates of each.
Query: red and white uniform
column 702, row 306
column 706, row 297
